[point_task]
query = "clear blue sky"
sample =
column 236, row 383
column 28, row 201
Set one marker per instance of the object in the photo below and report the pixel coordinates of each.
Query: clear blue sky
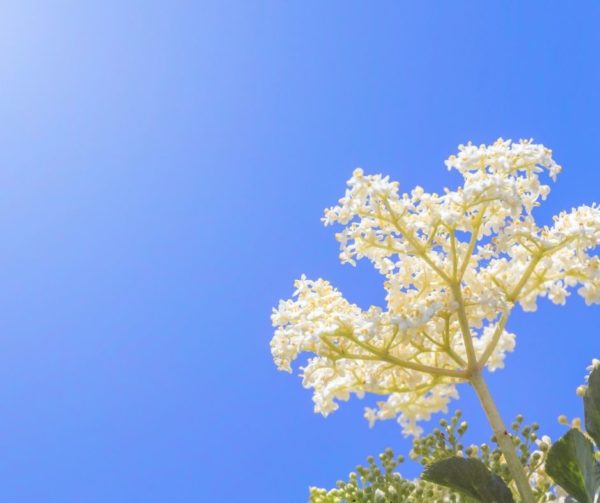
column 164, row 166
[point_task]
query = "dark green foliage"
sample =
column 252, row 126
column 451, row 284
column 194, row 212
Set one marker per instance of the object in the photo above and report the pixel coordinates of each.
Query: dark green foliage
column 381, row 483
column 591, row 403
column 446, row 441
column 470, row 477
column 571, row 461
column 455, row 473
column 572, row 465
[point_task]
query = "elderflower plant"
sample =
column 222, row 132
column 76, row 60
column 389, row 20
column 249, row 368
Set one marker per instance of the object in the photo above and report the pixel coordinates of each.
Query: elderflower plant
column 454, row 266
column 445, row 441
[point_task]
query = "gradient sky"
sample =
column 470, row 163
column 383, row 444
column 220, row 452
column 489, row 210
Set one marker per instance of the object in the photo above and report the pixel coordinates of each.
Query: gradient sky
column 164, row 166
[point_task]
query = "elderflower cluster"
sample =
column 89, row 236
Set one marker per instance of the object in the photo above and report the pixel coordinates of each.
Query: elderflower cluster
column 383, row 480
column 454, row 266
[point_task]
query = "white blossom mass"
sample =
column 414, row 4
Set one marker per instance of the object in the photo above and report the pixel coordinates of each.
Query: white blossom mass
column 454, row 266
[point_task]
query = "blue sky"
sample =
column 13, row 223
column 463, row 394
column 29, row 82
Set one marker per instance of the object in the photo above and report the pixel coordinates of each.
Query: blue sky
column 164, row 166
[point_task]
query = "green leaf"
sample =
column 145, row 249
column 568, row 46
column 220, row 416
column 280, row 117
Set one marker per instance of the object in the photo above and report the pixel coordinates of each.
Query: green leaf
column 572, row 466
column 470, row 477
column 591, row 404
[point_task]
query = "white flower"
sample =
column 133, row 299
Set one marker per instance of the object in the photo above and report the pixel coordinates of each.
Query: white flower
column 454, row 266
column 370, row 416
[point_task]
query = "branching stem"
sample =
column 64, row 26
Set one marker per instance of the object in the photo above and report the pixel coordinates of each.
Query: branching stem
column 387, row 357
column 502, row 437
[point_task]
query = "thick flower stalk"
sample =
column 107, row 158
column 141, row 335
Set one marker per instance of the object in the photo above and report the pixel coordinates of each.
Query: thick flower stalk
column 454, row 266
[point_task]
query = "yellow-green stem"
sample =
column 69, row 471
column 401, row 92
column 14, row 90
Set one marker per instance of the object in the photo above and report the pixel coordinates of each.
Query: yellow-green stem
column 464, row 327
column 502, row 437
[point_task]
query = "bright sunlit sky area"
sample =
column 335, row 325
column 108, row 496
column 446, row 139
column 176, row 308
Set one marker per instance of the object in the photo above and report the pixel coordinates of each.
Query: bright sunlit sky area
column 163, row 171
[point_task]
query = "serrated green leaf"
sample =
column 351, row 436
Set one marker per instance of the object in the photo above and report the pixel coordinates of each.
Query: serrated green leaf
column 591, row 404
column 572, row 466
column 470, row 477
